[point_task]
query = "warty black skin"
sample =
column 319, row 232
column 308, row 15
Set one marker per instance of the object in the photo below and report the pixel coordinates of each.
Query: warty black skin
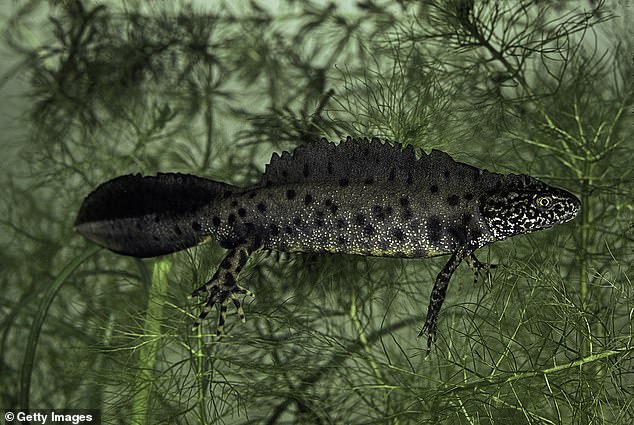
column 359, row 197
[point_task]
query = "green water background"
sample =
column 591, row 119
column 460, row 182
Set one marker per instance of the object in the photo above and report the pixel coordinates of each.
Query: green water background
column 92, row 90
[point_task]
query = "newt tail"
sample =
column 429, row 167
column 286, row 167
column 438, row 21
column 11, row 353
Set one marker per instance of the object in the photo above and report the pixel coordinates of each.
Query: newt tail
column 149, row 216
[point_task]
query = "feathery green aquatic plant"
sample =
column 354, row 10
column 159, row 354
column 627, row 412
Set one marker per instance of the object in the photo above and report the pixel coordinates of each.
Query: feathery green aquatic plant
column 541, row 88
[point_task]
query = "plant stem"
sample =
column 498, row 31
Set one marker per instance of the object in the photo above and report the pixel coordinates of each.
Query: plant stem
column 504, row 379
column 38, row 321
column 586, row 346
column 209, row 120
column 586, row 185
column 149, row 348
column 202, row 381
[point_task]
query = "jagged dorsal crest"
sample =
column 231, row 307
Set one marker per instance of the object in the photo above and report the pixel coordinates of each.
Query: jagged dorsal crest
column 353, row 159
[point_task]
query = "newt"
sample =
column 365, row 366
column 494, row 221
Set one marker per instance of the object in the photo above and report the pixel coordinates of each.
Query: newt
column 363, row 197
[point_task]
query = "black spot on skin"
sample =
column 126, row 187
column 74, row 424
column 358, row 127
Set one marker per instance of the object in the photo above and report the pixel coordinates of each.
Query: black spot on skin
column 400, row 254
column 297, row 221
column 388, row 211
column 433, row 188
column 243, row 258
column 453, row 200
column 261, row 207
column 274, row 230
column 230, row 242
column 475, row 234
column 156, row 238
column 319, row 222
column 343, row 182
column 231, row 219
column 392, row 175
column 434, row 228
column 404, row 201
column 368, row 230
column 230, row 281
column 306, row 170
column 407, row 214
column 242, row 212
column 226, row 194
column 178, row 230
column 398, row 234
column 252, row 195
column 378, row 212
column 290, row 194
column 285, row 174
column 333, row 209
column 308, row 199
column 268, row 183
column 319, row 214
column 234, row 203
column 409, row 178
column 341, row 223
column 215, row 221
column 446, row 173
column 329, row 167
column 369, row 181
column 249, row 226
column 366, row 152
column 458, row 233
column 468, row 196
column 359, row 219
column 495, row 189
column 383, row 246
column 288, row 230
column 256, row 243
column 157, row 219
column 341, row 241
column 328, row 202
column 196, row 226
column 466, row 218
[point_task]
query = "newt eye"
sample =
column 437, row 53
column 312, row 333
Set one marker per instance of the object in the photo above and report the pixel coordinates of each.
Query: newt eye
column 544, row 201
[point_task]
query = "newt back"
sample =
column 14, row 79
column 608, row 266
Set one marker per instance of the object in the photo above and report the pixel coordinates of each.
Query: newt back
column 361, row 197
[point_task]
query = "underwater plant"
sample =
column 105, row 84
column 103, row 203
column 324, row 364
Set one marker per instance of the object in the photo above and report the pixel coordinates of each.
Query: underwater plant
column 111, row 88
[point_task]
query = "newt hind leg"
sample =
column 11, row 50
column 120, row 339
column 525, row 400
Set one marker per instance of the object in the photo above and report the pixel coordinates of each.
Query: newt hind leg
column 438, row 294
column 223, row 288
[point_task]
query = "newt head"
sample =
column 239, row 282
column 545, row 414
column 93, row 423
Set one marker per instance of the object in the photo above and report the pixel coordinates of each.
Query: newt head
column 524, row 205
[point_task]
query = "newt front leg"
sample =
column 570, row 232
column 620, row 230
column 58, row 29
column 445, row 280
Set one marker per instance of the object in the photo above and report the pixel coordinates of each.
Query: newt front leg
column 223, row 287
column 479, row 267
column 439, row 291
